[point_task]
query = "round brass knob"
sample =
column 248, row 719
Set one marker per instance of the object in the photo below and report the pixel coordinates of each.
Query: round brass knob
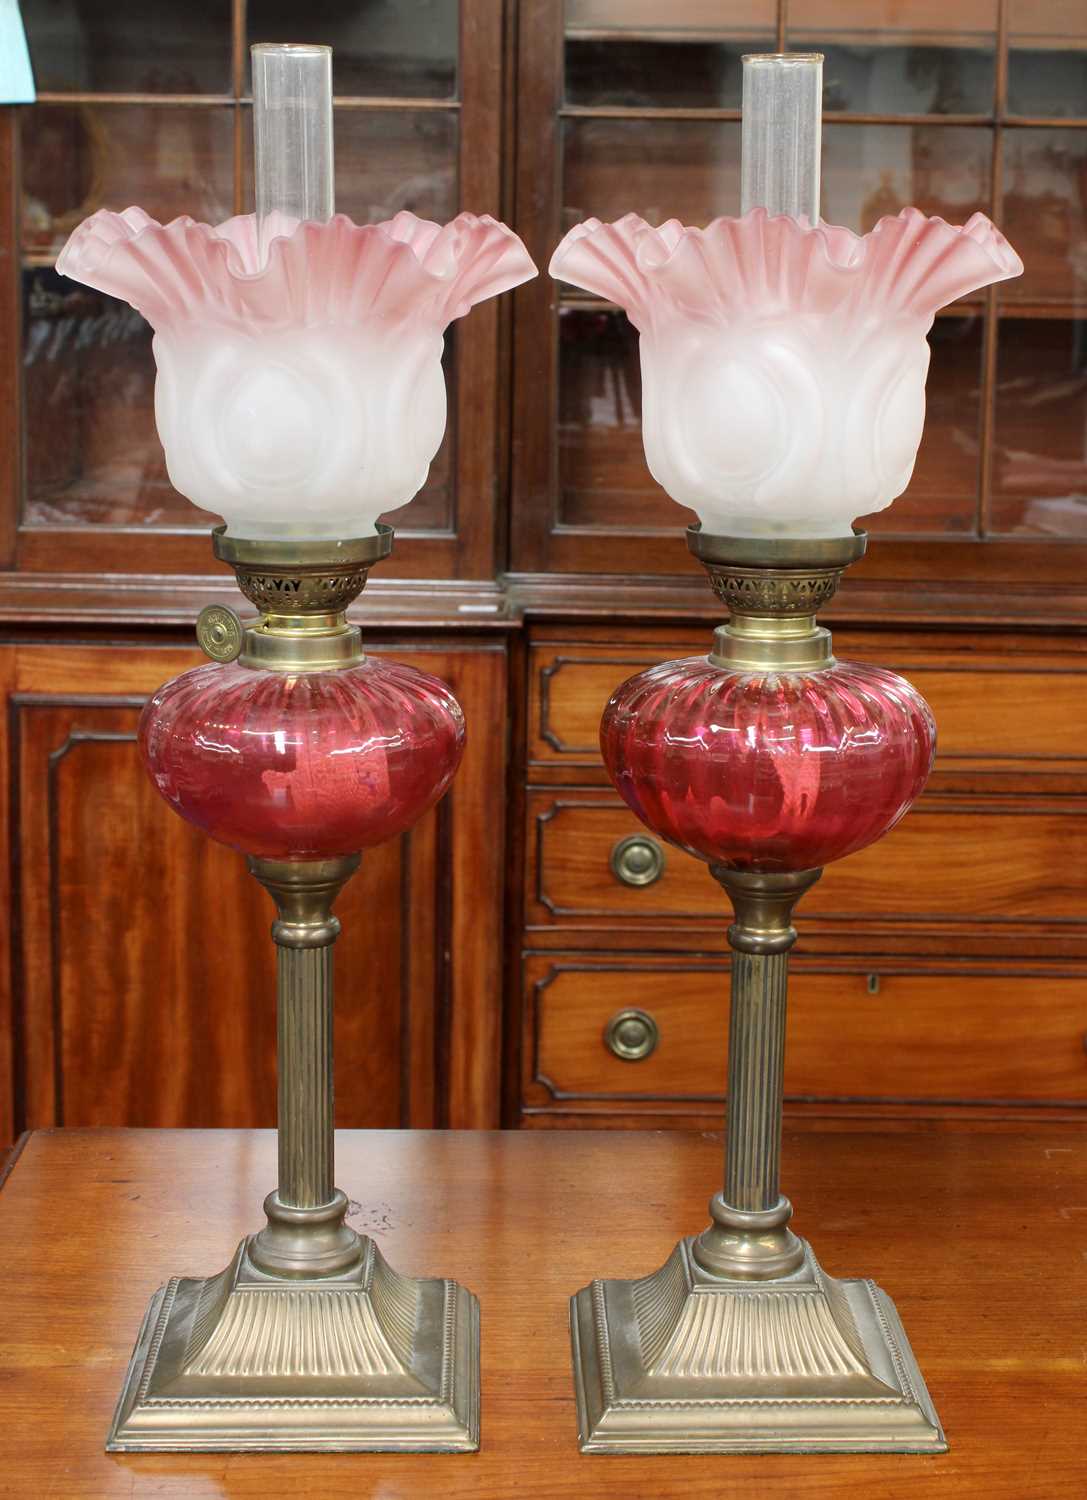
column 631, row 1035
column 220, row 634
column 637, row 860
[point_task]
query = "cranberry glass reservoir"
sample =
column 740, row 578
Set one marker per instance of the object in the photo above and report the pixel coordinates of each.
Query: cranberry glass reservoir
column 768, row 772
column 309, row 766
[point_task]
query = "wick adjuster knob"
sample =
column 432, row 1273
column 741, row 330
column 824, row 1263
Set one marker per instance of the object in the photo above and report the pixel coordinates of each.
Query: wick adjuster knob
column 220, row 633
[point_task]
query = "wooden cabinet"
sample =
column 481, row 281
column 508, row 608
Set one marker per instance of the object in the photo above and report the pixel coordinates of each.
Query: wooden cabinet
column 980, row 106
column 941, row 968
column 864, row 1034
column 942, row 971
column 143, row 971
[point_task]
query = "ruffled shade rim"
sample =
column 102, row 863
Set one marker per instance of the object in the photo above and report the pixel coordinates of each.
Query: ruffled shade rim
column 657, row 245
column 909, row 264
column 312, row 271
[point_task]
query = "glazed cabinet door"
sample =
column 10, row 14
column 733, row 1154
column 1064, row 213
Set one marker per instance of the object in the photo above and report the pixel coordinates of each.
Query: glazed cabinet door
column 143, row 974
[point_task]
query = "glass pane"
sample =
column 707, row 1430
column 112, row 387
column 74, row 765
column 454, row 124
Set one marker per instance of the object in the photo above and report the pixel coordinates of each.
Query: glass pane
column 900, row 57
column 943, row 494
column 92, row 452
column 1047, row 58
column 661, row 169
column 386, row 161
column 872, row 170
column 684, row 55
column 1040, row 442
column 129, row 46
column 1045, row 216
column 432, row 507
column 689, row 170
column 77, row 158
column 402, row 49
column 603, row 478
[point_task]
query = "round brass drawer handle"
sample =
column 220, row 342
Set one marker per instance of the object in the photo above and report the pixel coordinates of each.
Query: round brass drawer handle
column 631, row 1035
column 637, row 860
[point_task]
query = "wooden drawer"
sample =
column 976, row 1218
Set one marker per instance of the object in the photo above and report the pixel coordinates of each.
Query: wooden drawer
column 858, row 1032
column 927, row 874
column 995, row 711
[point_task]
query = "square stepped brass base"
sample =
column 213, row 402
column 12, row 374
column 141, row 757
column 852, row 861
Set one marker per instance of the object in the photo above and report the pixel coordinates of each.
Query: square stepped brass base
column 685, row 1362
column 367, row 1361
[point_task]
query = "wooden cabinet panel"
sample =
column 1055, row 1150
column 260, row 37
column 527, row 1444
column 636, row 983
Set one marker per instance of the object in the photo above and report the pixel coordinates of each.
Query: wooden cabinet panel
column 927, row 871
column 144, row 971
column 1007, row 710
column 864, row 1032
column 148, row 973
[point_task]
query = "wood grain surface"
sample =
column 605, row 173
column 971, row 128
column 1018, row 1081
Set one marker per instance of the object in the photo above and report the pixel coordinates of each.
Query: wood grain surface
column 981, row 1239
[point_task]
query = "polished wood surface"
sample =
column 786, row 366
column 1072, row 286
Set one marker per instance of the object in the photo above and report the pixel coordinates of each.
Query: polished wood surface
column 925, row 874
column 978, row 1238
column 860, row 1032
column 144, row 973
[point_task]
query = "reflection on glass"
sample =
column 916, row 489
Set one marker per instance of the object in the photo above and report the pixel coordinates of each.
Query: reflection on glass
column 432, row 508
column 661, row 169
column 92, row 453
column 1040, row 444
column 78, row 158
column 1047, row 58
column 93, row 457
column 403, row 49
column 690, row 170
column 873, row 170
column 386, row 161
column 129, row 46
column 603, row 478
column 686, row 54
column 1045, row 215
column 900, row 57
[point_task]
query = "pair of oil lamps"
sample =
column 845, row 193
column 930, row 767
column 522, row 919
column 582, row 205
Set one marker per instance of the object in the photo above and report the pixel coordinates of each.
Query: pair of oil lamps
column 300, row 395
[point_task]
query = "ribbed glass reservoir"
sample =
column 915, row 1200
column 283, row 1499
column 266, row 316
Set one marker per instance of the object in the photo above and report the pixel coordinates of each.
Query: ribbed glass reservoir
column 310, row 766
column 768, row 772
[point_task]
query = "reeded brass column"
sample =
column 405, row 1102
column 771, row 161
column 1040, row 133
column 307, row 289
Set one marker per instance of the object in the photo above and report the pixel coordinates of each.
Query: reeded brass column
column 741, row 1342
column 306, row 1233
column 749, row 1237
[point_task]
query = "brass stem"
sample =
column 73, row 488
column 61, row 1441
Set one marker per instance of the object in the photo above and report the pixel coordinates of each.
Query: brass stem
column 306, row 1234
column 749, row 1237
column 305, row 1077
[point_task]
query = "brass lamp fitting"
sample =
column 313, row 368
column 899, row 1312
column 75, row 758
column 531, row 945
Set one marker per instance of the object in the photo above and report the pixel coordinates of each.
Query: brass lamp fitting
column 303, row 590
column 773, row 588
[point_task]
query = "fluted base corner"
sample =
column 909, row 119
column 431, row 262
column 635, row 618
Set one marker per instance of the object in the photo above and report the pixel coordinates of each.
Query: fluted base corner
column 367, row 1360
column 686, row 1362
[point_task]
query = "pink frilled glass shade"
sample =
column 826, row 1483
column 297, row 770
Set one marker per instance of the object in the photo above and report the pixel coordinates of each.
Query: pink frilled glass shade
column 783, row 365
column 302, row 767
column 768, row 773
column 303, row 396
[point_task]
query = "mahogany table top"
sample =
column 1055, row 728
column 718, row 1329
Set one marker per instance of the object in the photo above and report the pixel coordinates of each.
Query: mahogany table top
column 981, row 1238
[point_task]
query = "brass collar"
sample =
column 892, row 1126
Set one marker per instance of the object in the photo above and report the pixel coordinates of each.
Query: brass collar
column 302, row 590
column 773, row 588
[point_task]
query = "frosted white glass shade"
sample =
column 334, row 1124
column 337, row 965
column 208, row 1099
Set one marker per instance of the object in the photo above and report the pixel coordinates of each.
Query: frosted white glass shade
column 783, row 366
column 304, row 397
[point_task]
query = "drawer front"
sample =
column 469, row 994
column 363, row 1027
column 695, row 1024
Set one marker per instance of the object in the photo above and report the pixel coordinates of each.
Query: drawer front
column 993, row 716
column 856, row 1033
column 927, row 871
